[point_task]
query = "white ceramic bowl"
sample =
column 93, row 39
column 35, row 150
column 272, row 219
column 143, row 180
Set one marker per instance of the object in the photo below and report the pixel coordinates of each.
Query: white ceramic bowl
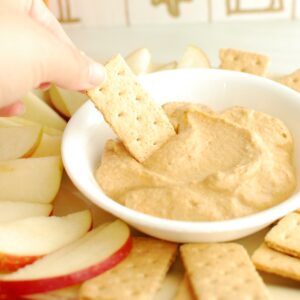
column 86, row 134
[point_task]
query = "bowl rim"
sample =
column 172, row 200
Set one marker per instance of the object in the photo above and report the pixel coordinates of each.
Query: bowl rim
column 257, row 219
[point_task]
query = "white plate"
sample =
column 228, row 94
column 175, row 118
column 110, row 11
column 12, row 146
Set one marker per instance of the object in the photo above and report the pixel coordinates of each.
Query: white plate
column 86, row 134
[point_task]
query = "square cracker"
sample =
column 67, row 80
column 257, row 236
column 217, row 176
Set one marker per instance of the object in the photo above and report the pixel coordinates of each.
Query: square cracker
column 292, row 80
column 138, row 277
column 222, row 271
column 271, row 261
column 138, row 121
column 285, row 236
column 248, row 62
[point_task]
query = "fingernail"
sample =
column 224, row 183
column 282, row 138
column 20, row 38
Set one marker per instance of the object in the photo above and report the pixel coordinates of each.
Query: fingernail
column 97, row 74
column 44, row 86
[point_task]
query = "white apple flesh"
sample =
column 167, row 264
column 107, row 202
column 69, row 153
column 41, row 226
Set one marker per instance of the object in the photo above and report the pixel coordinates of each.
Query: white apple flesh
column 30, row 179
column 139, row 61
column 13, row 210
column 19, row 141
column 49, row 145
column 66, row 101
column 96, row 252
column 24, row 241
column 40, row 112
column 194, row 57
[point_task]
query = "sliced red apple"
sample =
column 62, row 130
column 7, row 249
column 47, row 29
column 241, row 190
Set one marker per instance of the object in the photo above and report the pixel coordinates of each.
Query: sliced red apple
column 12, row 210
column 40, row 112
column 19, row 141
column 95, row 253
column 66, row 101
column 52, row 131
column 30, row 179
column 7, row 121
column 194, row 57
column 43, row 95
column 139, row 61
column 18, row 121
column 57, row 102
column 162, row 67
column 49, row 145
column 26, row 240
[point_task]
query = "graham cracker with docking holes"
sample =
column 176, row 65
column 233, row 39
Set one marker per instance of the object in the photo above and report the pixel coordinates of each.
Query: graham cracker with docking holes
column 243, row 61
column 271, row 261
column 222, row 271
column 138, row 121
column 285, row 236
column 292, row 80
column 138, row 277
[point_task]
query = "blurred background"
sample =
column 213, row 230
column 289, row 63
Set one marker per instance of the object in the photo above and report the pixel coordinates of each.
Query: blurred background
column 105, row 27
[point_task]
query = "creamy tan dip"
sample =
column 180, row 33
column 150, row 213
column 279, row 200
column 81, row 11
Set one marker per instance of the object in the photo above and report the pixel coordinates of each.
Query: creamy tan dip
column 219, row 166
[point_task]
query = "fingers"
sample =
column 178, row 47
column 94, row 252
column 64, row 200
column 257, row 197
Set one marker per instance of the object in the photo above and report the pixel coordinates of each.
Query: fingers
column 39, row 11
column 77, row 71
column 71, row 69
column 14, row 109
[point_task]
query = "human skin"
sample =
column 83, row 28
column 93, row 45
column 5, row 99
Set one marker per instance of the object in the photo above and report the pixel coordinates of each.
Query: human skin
column 34, row 51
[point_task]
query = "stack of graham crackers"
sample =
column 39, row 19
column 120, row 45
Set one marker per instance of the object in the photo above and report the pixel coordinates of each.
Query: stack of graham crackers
column 280, row 252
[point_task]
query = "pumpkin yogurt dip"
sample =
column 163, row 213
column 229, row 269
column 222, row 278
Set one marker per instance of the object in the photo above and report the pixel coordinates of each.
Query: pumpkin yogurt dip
column 219, row 166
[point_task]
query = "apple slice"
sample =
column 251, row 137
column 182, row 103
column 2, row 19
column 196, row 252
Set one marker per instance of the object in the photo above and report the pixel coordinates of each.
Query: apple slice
column 30, row 179
column 139, row 61
column 7, row 122
column 95, row 253
column 17, row 121
column 194, row 57
column 19, row 141
column 66, row 101
column 57, row 102
column 162, row 67
column 43, row 95
column 52, row 131
column 49, row 145
column 38, row 111
column 24, row 241
column 12, row 211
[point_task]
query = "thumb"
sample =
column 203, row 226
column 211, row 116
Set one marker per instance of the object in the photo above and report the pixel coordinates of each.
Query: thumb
column 70, row 68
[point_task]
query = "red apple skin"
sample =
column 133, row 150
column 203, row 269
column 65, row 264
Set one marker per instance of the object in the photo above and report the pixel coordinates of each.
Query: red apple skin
column 11, row 263
column 12, row 289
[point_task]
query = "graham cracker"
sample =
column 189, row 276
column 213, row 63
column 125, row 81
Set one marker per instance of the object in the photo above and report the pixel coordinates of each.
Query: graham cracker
column 222, row 271
column 248, row 62
column 184, row 291
column 271, row 261
column 285, row 236
column 292, row 80
column 138, row 277
column 138, row 121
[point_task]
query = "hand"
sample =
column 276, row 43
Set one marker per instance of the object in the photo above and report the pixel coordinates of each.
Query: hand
column 34, row 51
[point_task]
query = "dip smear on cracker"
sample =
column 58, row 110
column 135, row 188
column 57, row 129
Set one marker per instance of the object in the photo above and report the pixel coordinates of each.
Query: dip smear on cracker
column 219, row 166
